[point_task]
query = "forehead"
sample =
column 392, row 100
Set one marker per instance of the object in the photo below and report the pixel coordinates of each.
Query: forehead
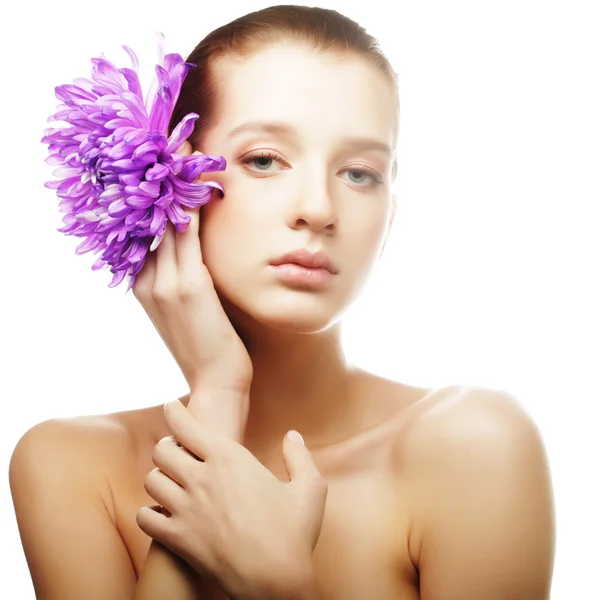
column 318, row 92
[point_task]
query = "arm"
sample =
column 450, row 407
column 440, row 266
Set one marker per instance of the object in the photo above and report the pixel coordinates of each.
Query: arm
column 163, row 571
column 197, row 532
column 484, row 503
column 165, row 575
column 72, row 546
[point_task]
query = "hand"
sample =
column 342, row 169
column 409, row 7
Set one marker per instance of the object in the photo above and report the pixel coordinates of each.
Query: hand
column 176, row 290
column 230, row 518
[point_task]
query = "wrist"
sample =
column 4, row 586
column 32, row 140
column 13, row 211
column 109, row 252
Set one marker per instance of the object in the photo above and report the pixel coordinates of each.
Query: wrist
column 223, row 409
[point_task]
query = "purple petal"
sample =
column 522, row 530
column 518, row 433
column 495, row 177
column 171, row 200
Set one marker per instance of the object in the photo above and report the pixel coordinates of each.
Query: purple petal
column 120, row 208
column 177, row 69
column 141, row 202
column 158, row 224
column 181, row 132
column 196, row 164
column 68, row 91
column 136, row 137
column 91, row 242
column 117, row 279
column 162, row 107
column 178, row 217
column 133, row 57
column 157, row 172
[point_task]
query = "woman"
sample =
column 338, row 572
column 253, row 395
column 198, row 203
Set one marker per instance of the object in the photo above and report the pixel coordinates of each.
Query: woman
column 400, row 492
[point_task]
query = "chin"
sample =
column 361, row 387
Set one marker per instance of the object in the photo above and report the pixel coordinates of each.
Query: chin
column 295, row 312
column 296, row 324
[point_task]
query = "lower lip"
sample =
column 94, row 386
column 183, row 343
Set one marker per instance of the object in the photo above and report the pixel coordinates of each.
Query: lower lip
column 299, row 275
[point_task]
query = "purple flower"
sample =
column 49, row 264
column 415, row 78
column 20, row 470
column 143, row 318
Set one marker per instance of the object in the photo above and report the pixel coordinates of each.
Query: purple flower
column 120, row 179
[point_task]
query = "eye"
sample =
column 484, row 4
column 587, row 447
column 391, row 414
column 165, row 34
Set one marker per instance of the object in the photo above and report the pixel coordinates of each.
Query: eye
column 359, row 174
column 261, row 163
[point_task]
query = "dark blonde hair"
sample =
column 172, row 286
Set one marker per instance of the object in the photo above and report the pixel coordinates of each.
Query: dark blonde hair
column 322, row 29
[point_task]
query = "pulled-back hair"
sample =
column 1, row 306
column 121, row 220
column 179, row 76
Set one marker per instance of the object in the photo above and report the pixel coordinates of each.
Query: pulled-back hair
column 322, row 29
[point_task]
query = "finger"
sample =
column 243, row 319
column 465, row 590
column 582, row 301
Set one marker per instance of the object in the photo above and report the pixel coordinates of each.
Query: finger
column 144, row 282
column 175, row 461
column 166, row 260
column 163, row 490
column 189, row 258
column 194, row 435
column 154, row 523
column 185, row 149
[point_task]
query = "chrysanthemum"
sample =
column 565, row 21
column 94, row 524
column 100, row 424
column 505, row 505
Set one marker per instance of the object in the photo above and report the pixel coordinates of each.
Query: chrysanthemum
column 120, row 179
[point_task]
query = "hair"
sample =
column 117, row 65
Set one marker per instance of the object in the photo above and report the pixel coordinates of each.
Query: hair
column 323, row 29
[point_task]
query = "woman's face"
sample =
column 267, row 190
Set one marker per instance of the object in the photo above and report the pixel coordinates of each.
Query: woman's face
column 309, row 140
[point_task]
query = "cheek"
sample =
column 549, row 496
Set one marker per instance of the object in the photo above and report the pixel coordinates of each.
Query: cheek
column 216, row 231
column 369, row 231
column 229, row 235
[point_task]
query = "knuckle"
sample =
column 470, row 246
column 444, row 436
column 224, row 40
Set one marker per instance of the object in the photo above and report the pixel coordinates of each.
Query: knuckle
column 139, row 293
column 190, row 288
column 177, row 533
column 194, row 283
column 163, row 293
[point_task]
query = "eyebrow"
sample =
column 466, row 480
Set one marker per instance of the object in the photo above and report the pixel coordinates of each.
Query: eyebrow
column 287, row 131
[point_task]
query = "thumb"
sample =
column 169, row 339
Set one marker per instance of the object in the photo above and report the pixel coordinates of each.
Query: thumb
column 297, row 457
column 185, row 149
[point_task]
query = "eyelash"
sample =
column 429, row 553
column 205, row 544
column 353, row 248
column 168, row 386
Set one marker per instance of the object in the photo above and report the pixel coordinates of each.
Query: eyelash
column 377, row 179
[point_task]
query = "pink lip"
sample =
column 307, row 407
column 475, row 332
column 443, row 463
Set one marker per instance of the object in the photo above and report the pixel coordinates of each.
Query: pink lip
column 295, row 274
column 304, row 258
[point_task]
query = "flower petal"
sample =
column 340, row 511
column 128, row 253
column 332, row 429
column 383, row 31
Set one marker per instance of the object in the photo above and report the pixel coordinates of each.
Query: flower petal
column 119, row 181
column 181, row 132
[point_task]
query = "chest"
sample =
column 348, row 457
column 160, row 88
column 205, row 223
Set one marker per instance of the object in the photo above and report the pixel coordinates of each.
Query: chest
column 362, row 551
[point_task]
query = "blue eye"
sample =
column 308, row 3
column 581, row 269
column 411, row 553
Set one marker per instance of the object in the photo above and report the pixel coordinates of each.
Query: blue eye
column 262, row 158
column 260, row 164
column 364, row 172
column 257, row 158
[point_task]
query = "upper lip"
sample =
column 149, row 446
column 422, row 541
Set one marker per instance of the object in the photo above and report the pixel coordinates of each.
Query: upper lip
column 306, row 259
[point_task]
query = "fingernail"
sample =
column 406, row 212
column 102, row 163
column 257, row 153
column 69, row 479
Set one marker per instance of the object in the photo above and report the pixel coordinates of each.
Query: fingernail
column 294, row 436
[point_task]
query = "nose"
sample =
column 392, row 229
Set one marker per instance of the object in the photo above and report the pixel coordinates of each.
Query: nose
column 314, row 205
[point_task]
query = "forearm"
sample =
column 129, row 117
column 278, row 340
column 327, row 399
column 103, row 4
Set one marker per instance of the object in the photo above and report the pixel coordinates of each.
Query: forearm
column 300, row 583
column 304, row 586
column 166, row 575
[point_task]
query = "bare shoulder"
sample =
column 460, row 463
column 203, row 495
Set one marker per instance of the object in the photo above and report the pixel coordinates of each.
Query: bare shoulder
column 84, row 446
column 95, row 446
column 84, row 438
column 469, row 430
column 480, row 488
column 63, row 486
column 457, row 418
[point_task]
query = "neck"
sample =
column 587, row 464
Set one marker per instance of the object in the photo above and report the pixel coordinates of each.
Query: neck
column 300, row 381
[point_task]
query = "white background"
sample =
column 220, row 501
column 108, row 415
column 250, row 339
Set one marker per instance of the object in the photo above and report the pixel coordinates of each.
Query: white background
column 486, row 279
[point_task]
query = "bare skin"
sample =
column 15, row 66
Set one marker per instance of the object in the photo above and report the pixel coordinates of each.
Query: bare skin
column 363, row 548
column 447, row 490
column 447, row 487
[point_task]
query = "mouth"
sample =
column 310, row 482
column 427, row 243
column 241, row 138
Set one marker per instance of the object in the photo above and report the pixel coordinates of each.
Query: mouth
column 301, row 276
column 307, row 260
